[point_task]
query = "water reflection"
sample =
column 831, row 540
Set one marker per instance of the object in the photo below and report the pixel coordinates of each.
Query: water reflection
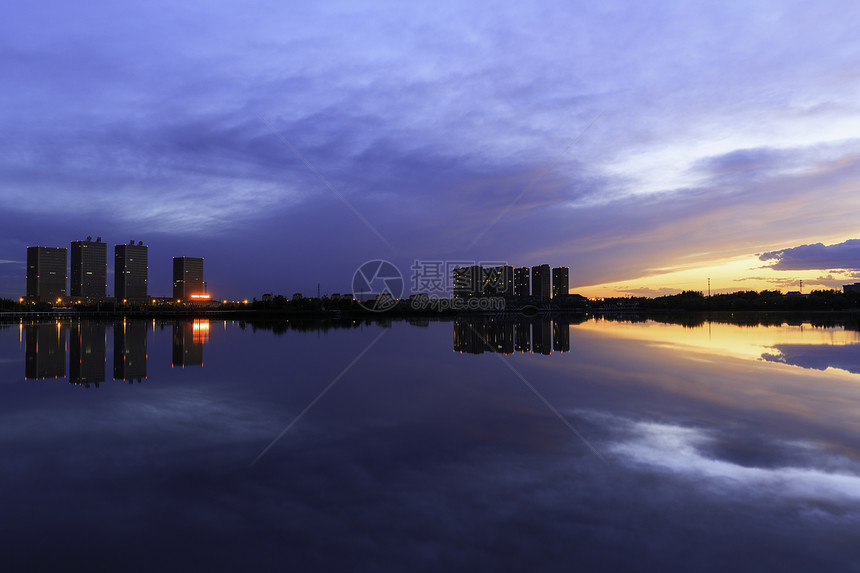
column 45, row 351
column 87, row 354
column 817, row 357
column 815, row 342
column 718, row 457
column 507, row 334
column 818, row 342
column 188, row 340
column 129, row 350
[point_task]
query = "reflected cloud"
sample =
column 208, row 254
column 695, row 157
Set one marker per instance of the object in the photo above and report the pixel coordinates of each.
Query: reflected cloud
column 726, row 339
column 422, row 448
column 682, row 452
column 817, row 357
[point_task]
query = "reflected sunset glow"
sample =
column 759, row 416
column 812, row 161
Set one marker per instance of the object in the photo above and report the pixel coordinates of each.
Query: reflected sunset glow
column 723, row 339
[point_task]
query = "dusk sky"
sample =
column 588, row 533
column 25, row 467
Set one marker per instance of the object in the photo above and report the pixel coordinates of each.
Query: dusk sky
column 648, row 146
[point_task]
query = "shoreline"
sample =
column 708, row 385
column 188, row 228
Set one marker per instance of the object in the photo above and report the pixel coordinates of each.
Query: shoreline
column 406, row 314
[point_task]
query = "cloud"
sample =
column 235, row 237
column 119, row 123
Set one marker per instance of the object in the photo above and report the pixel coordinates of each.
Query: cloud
column 648, row 292
column 845, row 255
column 742, row 165
column 683, row 451
column 817, row 357
column 431, row 123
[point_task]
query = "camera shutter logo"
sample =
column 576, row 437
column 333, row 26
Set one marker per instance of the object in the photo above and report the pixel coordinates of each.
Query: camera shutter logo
column 377, row 285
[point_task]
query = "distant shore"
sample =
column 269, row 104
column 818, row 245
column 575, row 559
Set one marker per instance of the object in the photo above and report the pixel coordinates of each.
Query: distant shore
column 830, row 301
column 573, row 316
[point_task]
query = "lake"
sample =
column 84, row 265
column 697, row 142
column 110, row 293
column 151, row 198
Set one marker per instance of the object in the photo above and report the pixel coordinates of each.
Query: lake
column 496, row 444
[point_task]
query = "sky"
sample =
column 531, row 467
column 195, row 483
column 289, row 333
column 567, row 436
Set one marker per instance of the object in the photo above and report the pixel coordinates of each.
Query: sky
column 647, row 147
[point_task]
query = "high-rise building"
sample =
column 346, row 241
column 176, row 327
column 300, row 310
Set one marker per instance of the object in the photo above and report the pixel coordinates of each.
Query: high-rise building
column 187, row 277
column 131, row 270
column 560, row 281
column 467, row 281
column 88, row 271
column 498, row 281
column 522, row 284
column 541, row 281
column 46, row 273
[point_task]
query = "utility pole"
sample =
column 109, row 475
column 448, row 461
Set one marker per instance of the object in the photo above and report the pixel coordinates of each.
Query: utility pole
column 709, row 287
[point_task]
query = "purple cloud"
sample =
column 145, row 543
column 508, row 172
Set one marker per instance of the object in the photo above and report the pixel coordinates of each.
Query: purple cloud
column 134, row 124
column 816, row 256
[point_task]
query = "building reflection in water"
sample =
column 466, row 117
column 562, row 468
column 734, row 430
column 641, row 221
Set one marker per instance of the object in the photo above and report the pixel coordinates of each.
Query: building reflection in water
column 486, row 335
column 508, row 334
column 561, row 334
column 188, row 340
column 45, row 351
column 87, row 354
column 129, row 350
column 522, row 336
column 542, row 336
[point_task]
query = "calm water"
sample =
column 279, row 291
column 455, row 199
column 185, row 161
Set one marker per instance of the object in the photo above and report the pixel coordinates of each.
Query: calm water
column 439, row 446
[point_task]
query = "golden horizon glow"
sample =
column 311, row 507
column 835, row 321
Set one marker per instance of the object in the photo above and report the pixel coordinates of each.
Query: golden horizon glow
column 730, row 275
column 723, row 339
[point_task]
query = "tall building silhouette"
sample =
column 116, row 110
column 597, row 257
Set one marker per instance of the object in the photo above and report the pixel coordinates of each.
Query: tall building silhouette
column 187, row 277
column 541, row 281
column 560, row 281
column 131, row 270
column 46, row 272
column 467, row 281
column 498, row 281
column 522, row 283
column 88, row 270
